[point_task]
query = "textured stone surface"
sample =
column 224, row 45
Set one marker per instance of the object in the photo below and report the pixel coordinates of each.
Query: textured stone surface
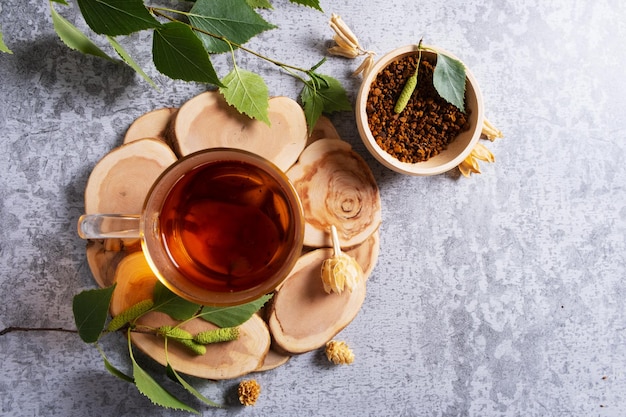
column 501, row 295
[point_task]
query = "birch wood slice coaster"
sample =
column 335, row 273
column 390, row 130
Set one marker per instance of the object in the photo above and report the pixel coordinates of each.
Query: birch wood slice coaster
column 225, row 360
column 273, row 360
column 207, row 121
column 323, row 129
column 104, row 256
column 120, row 181
column 154, row 124
column 118, row 184
column 337, row 188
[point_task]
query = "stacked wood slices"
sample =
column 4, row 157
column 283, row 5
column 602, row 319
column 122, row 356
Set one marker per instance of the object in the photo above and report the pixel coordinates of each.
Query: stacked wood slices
column 334, row 183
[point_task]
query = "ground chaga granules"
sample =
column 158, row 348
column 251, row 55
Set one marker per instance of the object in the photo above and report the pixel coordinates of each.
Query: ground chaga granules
column 428, row 123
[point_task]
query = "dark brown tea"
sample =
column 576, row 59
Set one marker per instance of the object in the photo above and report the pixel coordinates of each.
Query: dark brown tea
column 225, row 225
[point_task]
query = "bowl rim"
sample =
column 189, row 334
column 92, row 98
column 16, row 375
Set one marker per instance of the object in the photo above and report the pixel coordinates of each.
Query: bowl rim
column 383, row 156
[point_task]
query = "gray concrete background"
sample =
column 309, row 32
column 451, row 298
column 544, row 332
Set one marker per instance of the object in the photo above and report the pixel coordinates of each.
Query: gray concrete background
column 499, row 295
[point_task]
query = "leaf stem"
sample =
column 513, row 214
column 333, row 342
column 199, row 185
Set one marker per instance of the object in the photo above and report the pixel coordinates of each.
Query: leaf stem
column 232, row 56
column 130, row 345
column 335, row 239
column 158, row 11
column 12, row 329
column 295, row 75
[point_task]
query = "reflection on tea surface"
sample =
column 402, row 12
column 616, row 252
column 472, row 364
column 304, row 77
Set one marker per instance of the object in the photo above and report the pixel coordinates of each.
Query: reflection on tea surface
column 225, row 225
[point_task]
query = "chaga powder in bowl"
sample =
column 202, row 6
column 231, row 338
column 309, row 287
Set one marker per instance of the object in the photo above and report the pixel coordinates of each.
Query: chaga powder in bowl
column 430, row 136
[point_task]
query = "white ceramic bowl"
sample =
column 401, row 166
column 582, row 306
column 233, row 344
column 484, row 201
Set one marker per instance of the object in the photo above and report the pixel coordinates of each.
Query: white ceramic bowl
column 456, row 151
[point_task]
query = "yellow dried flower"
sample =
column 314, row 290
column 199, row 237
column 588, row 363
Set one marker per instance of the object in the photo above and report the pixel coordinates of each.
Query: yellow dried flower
column 347, row 45
column 490, row 131
column 347, row 37
column 341, row 42
column 339, row 353
column 365, row 66
column 249, row 391
column 470, row 164
column 341, row 270
column 344, row 52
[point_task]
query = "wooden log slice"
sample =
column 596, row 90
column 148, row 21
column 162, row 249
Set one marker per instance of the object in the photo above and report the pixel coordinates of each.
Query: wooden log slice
column 303, row 317
column 366, row 254
column 154, row 124
column 336, row 187
column 207, row 121
column 273, row 360
column 323, row 129
column 119, row 184
column 121, row 180
column 134, row 281
column 104, row 255
column 226, row 360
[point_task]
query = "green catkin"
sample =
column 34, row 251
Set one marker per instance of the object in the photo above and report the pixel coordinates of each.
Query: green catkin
column 406, row 93
column 225, row 334
column 409, row 86
column 129, row 315
column 183, row 337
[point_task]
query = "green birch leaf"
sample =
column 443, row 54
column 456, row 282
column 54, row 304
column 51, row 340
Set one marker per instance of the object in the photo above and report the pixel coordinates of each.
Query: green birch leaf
column 234, row 20
column 3, row 46
column 174, row 306
column 315, row 4
column 113, row 370
column 63, row 2
column 234, row 315
column 449, row 80
column 178, row 53
column 323, row 94
column 247, row 92
column 333, row 94
column 117, row 17
column 116, row 372
column 312, row 104
column 260, row 4
column 130, row 61
column 73, row 37
column 91, row 309
column 172, row 372
column 155, row 392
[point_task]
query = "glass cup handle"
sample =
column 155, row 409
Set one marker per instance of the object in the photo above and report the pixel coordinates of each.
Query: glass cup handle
column 104, row 226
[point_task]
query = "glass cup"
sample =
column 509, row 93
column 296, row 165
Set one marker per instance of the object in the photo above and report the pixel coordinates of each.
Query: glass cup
column 219, row 227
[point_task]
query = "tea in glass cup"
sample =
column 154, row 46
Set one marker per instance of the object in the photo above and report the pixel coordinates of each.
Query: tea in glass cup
column 219, row 227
